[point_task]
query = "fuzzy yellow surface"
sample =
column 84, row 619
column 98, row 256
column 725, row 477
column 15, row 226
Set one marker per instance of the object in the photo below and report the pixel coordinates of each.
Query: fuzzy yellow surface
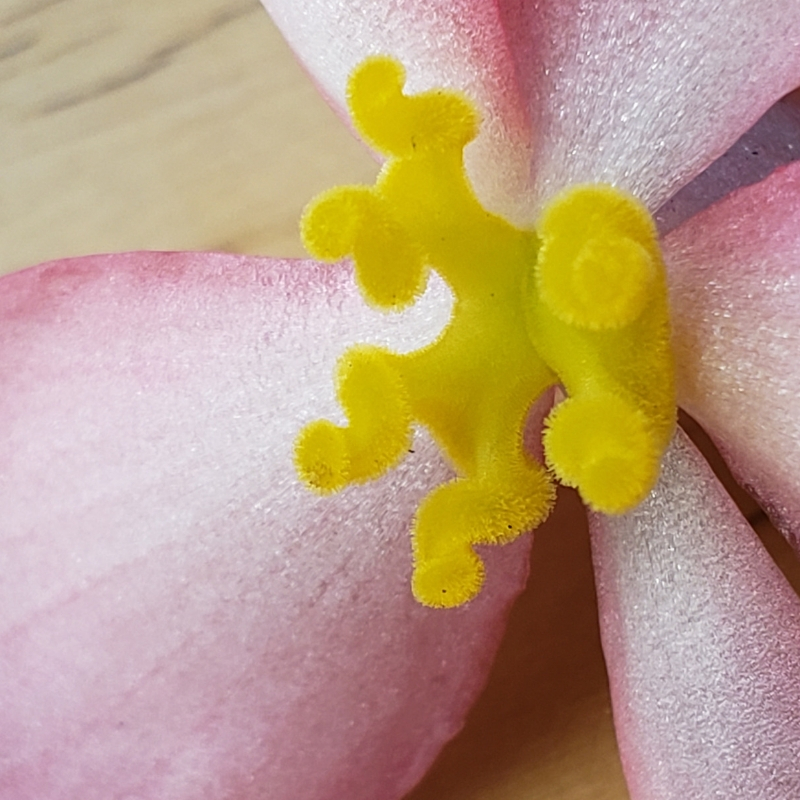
column 598, row 312
column 581, row 300
column 188, row 125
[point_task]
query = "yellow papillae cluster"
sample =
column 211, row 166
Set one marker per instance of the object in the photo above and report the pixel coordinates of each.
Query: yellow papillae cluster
column 579, row 301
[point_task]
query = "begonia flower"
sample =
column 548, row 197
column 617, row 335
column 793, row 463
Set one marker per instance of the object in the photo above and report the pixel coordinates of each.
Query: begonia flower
column 182, row 619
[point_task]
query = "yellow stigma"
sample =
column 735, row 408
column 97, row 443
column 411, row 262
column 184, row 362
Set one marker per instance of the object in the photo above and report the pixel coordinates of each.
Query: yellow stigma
column 598, row 313
column 580, row 301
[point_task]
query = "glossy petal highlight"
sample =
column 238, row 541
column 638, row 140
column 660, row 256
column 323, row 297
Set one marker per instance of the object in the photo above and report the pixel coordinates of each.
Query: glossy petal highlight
column 179, row 618
column 735, row 285
column 699, row 630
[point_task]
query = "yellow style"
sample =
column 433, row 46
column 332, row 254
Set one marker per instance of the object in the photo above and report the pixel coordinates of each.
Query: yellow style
column 580, row 301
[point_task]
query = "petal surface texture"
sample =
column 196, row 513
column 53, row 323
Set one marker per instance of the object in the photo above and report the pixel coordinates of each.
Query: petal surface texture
column 734, row 274
column 179, row 617
column 700, row 632
column 642, row 96
column 458, row 44
column 772, row 142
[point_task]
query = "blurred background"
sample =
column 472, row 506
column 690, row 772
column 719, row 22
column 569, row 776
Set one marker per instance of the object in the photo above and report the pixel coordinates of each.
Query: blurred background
column 187, row 125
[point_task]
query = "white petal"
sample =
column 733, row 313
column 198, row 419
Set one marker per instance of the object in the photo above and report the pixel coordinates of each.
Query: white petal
column 179, row 617
column 734, row 275
column 702, row 639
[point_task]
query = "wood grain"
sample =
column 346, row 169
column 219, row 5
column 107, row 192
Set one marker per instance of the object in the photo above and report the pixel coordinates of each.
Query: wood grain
column 144, row 124
column 187, row 125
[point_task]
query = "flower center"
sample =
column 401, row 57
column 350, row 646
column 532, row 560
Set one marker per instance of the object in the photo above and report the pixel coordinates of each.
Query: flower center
column 581, row 301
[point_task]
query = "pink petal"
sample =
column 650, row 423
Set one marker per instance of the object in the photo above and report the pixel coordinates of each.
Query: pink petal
column 179, row 618
column 702, row 639
column 645, row 95
column 641, row 96
column 735, row 280
column 461, row 44
column 772, row 142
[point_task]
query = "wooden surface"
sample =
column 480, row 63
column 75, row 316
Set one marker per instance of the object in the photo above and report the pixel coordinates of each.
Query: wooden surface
column 178, row 124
